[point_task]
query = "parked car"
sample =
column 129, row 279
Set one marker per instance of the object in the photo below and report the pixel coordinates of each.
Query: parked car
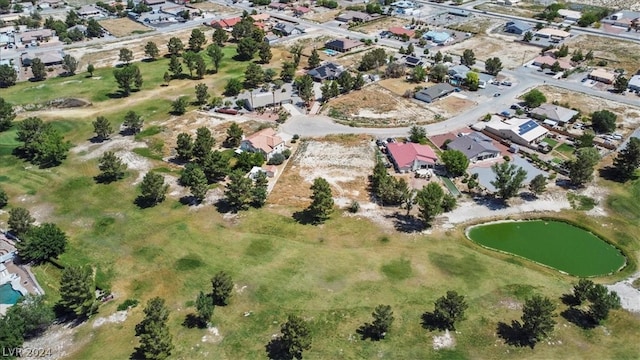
column 496, row 94
column 516, row 107
column 506, row 83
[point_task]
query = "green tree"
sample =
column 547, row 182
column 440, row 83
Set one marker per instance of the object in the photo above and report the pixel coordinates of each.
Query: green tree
column 556, row 67
column 70, row 64
column 111, row 167
column 538, row 184
column 296, row 52
column 603, row 121
column 199, row 185
column 418, row 134
column 197, row 40
column 438, row 57
column 582, row 289
column 155, row 340
column 563, row 51
column 102, row 127
column 259, row 190
column 429, row 200
column 184, row 146
column 215, row 166
column 77, row 291
column 7, row 114
column 537, row 318
column 305, row 88
column 602, row 302
column 175, row 46
column 219, row 37
column 91, row 69
column 8, row 76
column 233, row 87
column 438, row 73
column 253, row 76
column 125, row 56
column 264, row 52
column 246, row 49
column 203, row 143
column 221, row 288
column 201, row 66
column 175, row 66
column 133, row 122
column 448, row 310
column 234, row 135
column 151, row 50
column 127, row 77
column 202, row 93
column 493, row 66
column 43, row 143
column 4, row 198
column 153, row 188
column 204, row 308
column 38, row 69
column 358, row 82
column 288, row 71
column 382, row 321
column 190, row 59
column 509, row 179
column 179, row 105
column 534, row 98
column 238, row 191
column 627, row 160
column 472, row 80
column 295, row 338
column 30, row 317
column 581, row 168
column 468, row 58
column 621, row 83
column 373, row 60
column 94, row 29
column 314, row 59
column 585, row 140
column 472, row 182
column 577, row 56
column 215, row 53
column 419, row 74
column 455, row 161
column 589, row 55
column 321, row 205
column 345, row 80
column 42, row 243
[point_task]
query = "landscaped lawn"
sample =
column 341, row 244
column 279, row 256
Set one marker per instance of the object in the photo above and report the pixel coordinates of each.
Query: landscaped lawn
column 565, row 149
column 551, row 142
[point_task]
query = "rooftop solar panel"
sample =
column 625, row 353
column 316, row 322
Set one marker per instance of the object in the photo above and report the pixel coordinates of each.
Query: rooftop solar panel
column 526, row 127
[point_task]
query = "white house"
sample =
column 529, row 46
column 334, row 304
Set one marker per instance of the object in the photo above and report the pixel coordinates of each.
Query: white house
column 265, row 141
column 520, row 131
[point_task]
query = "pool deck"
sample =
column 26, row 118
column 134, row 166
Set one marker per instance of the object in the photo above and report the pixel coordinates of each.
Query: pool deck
column 19, row 276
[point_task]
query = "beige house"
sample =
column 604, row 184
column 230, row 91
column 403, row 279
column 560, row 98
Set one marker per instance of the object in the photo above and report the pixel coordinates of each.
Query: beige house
column 265, row 141
column 602, row 75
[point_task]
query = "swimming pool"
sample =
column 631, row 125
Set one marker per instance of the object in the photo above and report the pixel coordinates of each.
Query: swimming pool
column 8, row 295
column 330, row 52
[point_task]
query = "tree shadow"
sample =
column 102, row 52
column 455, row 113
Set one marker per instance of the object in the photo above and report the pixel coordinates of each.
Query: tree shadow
column 117, row 95
column 194, row 321
column 103, row 179
column 432, row 322
column 137, row 354
column 144, row 202
column 189, row 200
column 148, row 60
column 610, row 173
column 528, row 196
column 304, row 217
column 406, row 223
column 579, row 318
column 570, row 300
column 490, row 202
column 514, row 334
column 277, row 350
column 223, row 207
column 369, row 332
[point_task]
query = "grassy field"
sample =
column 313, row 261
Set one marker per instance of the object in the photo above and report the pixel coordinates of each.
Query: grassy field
column 332, row 275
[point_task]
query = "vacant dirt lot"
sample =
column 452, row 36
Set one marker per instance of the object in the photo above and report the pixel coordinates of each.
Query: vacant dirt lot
column 211, row 7
column 628, row 116
column 510, row 52
column 398, row 86
column 618, row 53
column 375, row 27
column 522, row 9
column 344, row 161
column 321, row 15
column 451, row 105
column 123, row 27
column 477, row 25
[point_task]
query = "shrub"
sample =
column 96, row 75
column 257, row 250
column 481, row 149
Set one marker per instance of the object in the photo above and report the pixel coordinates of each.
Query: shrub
column 354, row 207
column 129, row 303
column 276, row 159
column 286, row 153
column 506, row 158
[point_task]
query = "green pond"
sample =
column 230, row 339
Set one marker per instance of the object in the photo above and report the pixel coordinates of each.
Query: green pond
column 556, row 244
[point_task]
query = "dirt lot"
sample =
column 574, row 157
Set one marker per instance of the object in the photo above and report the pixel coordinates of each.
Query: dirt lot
column 510, row 52
column 216, row 8
column 344, row 161
column 375, row 27
column 618, row 53
column 524, row 9
column 398, row 86
column 477, row 25
column 322, row 15
column 123, row 27
column 633, row 5
column 629, row 115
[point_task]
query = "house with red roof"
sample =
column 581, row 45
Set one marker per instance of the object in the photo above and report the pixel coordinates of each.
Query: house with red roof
column 411, row 156
column 402, row 32
column 266, row 141
column 225, row 23
column 301, row 10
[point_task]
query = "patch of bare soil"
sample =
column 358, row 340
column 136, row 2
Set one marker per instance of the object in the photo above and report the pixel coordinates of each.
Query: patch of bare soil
column 618, row 53
column 510, row 52
column 115, row 318
column 123, row 27
column 322, row 15
column 375, row 27
column 58, row 338
column 628, row 115
column 444, row 341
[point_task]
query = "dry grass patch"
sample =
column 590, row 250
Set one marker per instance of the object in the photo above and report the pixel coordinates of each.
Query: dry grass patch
column 618, row 53
column 321, row 15
column 451, row 105
column 510, row 52
column 124, row 27
column 524, row 9
column 375, row 27
column 398, row 86
column 476, row 25
column 211, row 7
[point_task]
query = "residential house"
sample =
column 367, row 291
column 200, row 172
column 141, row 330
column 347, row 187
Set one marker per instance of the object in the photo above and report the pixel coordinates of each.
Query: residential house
column 271, row 38
column 411, row 156
column 50, row 3
column 287, row 29
column 327, row 71
column 342, row 45
column 155, row 18
column 458, row 74
column 355, row 16
column 517, row 27
column 89, row 11
column 261, row 17
column 301, row 10
column 559, row 114
column 475, row 146
column 412, row 61
column 511, row 2
column 401, row 32
column 403, row 4
column 79, row 27
column 49, row 58
column 174, row 10
column 548, row 61
column 524, row 132
column 257, row 100
column 265, row 141
column 36, row 35
column 278, row 6
column 624, row 18
column 552, row 34
column 434, row 92
column 570, row 15
column 226, row 24
column 459, row 12
column 8, row 18
column 602, row 75
column 438, row 37
column 634, row 83
column 153, row 2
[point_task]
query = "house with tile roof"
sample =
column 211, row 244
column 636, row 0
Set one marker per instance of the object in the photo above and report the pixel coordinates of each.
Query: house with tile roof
column 475, row 146
column 559, row 114
column 266, row 141
column 408, row 157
